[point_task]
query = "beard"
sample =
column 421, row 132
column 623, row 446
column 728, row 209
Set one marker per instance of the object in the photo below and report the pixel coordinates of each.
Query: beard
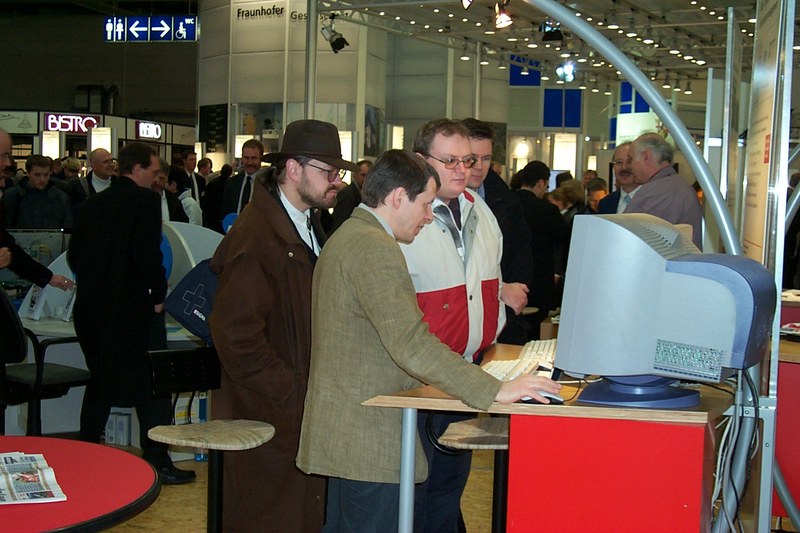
column 316, row 198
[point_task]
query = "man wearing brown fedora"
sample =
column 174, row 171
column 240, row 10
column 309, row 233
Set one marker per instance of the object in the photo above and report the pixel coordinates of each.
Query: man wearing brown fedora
column 261, row 326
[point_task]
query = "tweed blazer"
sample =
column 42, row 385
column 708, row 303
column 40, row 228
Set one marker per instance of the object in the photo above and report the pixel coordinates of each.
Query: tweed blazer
column 368, row 338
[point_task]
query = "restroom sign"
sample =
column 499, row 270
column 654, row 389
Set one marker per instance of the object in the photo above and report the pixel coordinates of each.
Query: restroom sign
column 150, row 29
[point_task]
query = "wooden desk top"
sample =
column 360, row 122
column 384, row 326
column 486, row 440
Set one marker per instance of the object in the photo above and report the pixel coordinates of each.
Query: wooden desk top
column 789, row 351
column 713, row 402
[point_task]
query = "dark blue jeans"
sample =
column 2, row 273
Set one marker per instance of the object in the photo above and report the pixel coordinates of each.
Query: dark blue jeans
column 437, row 500
column 361, row 506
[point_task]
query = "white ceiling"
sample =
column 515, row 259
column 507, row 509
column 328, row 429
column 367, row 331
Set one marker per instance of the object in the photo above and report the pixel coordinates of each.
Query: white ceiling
column 698, row 28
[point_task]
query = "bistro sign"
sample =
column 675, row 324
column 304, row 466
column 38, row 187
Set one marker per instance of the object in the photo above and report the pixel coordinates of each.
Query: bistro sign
column 68, row 123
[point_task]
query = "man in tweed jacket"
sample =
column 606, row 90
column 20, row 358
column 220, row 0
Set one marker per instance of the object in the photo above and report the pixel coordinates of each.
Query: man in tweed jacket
column 368, row 338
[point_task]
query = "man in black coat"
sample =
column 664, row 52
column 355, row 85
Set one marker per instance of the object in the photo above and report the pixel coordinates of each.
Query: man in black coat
column 547, row 234
column 239, row 188
column 121, row 284
column 516, row 264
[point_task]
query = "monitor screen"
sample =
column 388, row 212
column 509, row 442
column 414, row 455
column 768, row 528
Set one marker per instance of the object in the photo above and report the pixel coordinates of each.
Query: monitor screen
column 643, row 307
column 43, row 245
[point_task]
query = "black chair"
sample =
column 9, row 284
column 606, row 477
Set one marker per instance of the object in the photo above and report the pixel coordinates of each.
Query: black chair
column 30, row 382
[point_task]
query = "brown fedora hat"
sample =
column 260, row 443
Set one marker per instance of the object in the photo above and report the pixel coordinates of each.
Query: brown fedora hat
column 315, row 139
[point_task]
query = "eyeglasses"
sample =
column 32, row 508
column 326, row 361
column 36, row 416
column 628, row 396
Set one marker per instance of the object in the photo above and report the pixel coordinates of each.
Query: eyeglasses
column 618, row 162
column 331, row 173
column 451, row 162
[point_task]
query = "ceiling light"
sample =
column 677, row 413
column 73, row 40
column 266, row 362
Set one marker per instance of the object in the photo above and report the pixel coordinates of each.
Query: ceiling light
column 466, row 3
column 752, row 20
column 677, row 87
column 701, row 62
column 607, row 92
column 502, row 64
column 582, row 84
column 532, row 44
column 525, row 71
column 551, row 30
column 566, row 71
column 688, row 88
column 666, row 84
column 464, row 54
column 501, row 18
column 336, row 39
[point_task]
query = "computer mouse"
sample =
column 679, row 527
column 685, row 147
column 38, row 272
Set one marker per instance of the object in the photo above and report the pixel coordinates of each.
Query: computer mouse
column 555, row 399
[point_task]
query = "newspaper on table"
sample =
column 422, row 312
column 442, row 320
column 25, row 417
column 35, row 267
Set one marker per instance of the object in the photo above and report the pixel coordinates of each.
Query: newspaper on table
column 27, row 478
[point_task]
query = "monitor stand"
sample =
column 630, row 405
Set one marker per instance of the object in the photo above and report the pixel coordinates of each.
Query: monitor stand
column 652, row 392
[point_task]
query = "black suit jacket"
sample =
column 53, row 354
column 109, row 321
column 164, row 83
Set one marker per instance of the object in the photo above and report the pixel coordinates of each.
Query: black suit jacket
column 346, row 201
column 517, row 261
column 212, row 204
column 230, row 197
column 116, row 256
column 608, row 205
column 547, row 234
column 201, row 185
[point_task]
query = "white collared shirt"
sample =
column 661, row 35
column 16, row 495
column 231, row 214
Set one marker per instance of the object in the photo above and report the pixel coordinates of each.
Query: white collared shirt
column 301, row 221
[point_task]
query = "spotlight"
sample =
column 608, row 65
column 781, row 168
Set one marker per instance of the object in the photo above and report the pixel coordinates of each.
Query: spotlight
column 336, row 39
column 566, row 71
column 466, row 3
column 501, row 18
column 607, row 92
column 525, row 71
column 551, row 30
column 464, row 53
column 688, row 88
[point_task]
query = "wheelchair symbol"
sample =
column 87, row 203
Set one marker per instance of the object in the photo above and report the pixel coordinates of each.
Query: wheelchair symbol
column 180, row 33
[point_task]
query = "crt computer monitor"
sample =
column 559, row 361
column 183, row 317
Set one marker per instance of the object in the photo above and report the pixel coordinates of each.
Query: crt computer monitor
column 644, row 308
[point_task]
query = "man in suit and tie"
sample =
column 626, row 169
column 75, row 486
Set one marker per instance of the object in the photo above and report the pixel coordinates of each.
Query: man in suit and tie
column 121, row 284
column 369, row 338
column 261, row 326
column 239, row 188
column 197, row 182
column 517, row 262
column 617, row 201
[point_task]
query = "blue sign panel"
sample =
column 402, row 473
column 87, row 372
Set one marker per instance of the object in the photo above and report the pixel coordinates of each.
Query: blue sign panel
column 148, row 29
column 138, row 29
column 160, row 28
column 114, row 29
column 185, row 28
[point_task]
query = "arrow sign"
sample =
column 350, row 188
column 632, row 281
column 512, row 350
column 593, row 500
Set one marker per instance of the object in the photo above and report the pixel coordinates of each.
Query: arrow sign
column 160, row 28
column 137, row 26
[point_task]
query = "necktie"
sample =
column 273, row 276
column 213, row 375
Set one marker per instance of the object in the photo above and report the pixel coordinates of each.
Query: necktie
column 246, row 188
column 311, row 241
column 456, row 210
column 626, row 199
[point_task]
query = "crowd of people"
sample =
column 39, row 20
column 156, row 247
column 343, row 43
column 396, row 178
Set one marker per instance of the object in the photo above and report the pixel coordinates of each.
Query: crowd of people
column 426, row 259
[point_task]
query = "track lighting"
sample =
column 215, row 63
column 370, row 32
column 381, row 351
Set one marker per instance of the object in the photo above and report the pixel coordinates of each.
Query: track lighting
column 501, row 18
column 336, row 39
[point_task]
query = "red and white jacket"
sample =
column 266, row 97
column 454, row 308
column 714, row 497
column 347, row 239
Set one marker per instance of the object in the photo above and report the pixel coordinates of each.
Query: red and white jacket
column 460, row 298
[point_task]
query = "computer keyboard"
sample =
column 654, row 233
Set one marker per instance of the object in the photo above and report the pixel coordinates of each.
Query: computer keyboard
column 536, row 357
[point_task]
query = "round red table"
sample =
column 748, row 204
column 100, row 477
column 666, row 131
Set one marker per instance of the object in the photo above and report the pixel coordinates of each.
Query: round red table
column 104, row 486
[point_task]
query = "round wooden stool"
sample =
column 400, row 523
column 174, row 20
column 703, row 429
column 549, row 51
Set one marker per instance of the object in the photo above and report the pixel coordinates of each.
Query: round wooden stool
column 486, row 433
column 216, row 436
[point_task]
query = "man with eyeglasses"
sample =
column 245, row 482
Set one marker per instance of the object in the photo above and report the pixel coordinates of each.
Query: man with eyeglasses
column 617, row 201
column 261, row 325
column 455, row 266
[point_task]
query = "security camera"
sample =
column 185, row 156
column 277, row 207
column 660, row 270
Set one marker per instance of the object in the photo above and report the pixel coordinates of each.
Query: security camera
column 336, row 39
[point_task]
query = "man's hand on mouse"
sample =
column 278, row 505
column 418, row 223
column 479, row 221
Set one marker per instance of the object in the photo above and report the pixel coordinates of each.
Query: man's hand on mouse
column 526, row 385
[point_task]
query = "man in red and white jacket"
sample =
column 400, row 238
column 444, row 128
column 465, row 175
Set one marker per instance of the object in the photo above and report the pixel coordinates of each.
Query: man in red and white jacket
column 455, row 266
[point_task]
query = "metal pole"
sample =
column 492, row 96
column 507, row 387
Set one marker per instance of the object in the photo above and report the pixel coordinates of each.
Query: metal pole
column 311, row 59
column 408, row 448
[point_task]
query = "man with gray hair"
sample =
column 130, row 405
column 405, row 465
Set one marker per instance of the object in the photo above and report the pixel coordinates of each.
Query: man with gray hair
column 663, row 193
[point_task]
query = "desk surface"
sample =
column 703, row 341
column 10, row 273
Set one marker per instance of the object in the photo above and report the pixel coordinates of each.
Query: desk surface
column 54, row 327
column 789, row 351
column 713, row 402
column 104, row 486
